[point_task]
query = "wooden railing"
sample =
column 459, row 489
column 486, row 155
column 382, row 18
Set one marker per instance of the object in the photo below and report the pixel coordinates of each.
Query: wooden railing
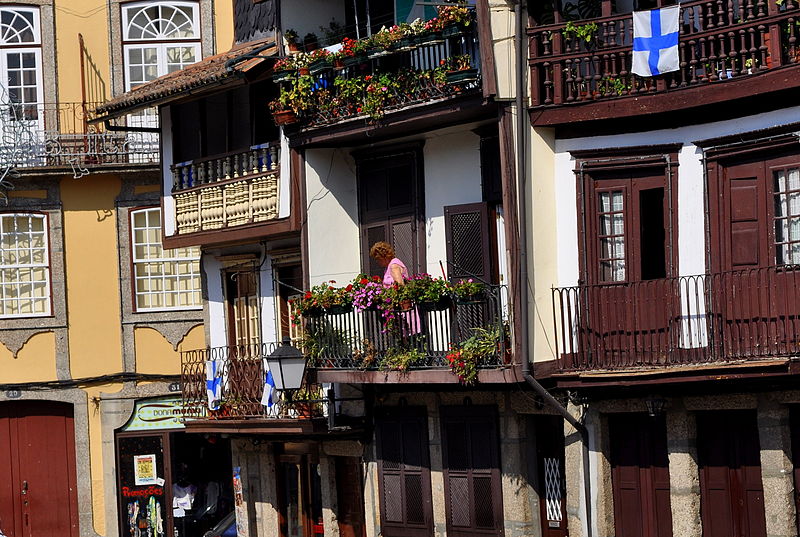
column 719, row 40
column 720, row 317
column 228, row 190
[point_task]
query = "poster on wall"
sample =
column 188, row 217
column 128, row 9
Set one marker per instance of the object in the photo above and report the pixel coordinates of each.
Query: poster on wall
column 239, row 506
column 144, row 470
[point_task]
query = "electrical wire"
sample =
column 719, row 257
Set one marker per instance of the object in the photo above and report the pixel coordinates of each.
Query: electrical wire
column 88, row 381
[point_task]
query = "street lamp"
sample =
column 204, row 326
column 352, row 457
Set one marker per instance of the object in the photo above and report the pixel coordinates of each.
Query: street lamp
column 288, row 366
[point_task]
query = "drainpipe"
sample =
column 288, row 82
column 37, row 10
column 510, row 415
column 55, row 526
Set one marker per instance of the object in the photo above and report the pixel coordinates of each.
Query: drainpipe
column 522, row 277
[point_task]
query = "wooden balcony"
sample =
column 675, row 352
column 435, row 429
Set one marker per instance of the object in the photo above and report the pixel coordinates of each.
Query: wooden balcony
column 241, row 374
column 227, row 191
column 354, row 346
column 721, row 318
column 728, row 49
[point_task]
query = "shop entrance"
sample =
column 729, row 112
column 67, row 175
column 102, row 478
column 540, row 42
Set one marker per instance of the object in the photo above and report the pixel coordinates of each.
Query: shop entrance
column 170, row 483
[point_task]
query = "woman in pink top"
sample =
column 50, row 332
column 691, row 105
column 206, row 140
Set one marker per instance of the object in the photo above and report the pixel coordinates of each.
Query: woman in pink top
column 396, row 273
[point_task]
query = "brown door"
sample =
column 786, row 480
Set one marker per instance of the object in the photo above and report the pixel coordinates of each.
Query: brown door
column 471, row 460
column 550, row 483
column 640, row 475
column 37, row 470
column 731, row 493
column 754, row 300
column 628, row 298
column 350, row 497
column 300, row 496
column 404, row 472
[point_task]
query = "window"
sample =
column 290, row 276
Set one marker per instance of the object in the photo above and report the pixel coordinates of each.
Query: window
column 787, row 216
column 24, row 266
column 163, row 279
column 21, row 61
column 611, row 235
column 243, row 309
column 160, row 38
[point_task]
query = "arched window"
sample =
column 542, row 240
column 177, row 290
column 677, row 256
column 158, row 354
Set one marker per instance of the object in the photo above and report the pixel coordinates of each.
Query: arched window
column 21, row 59
column 159, row 38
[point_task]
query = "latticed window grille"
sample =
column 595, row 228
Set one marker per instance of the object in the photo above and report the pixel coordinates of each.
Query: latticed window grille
column 24, row 266
column 164, row 279
column 552, row 489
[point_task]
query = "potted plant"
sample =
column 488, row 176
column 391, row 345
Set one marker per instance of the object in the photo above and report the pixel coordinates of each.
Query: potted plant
column 402, row 358
column 298, row 94
column 353, row 51
column 459, row 70
column 455, row 20
column 430, row 294
column 468, row 291
column 465, row 359
column 432, row 33
column 318, row 61
column 283, row 69
column 581, row 32
column 281, row 114
column 307, row 401
column 310, row 42
column 291, row 37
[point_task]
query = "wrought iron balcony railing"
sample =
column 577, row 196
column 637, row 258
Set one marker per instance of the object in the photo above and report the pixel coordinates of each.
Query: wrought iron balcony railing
column 358, row 340
column 720, row 317
column 719, row 40
column 227, row 190
column 240, row 372
column 58, row 135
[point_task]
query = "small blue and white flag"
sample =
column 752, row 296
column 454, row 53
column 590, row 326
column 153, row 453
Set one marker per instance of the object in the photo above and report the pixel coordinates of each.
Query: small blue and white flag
column 269, row 388
column 213, row 384
column 655, row 41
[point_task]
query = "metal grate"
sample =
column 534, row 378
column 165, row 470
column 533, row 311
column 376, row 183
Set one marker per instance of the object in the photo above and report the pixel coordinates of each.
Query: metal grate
column 459, row 501
column 415, row 509
column 484, row 502
column 467, row 237
column 552, row 489
column 393, row 498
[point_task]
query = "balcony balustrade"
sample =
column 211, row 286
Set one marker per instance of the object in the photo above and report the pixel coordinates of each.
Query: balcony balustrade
column 373, row 86
column 719, row 40
column 358, row 340
column 58, row 135
column 241, row 373
column 733, row 316
column 227, row 190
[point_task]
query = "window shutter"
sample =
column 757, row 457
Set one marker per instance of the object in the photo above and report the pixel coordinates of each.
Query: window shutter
column 404, row 473
column 473, row 497
column 467, row 231
column 372, row 234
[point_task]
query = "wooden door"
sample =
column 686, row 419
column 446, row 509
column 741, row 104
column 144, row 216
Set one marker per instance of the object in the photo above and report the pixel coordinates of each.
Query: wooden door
column 754, row 302
column 629, row 299
column 640, row 475
column 38, row 486
column 550, row 483
column 731, row 493
column 350, row 497
column 300, row 496
column 404, row 472
column 471, row 460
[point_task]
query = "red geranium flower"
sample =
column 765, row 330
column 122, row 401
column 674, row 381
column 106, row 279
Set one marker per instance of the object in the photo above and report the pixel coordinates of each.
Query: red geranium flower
column 308, row 294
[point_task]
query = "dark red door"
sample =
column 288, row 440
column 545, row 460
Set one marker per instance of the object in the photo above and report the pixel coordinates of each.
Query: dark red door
column 640, row 475
column 550, row 484
column 38, row 491
column 731, row 492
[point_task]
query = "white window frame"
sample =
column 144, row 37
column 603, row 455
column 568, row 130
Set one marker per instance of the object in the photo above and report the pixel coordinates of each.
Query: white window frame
column 34, row 45
column 133, row 8
column 161, row 53
column 37, row 31
column 45, row 265
column 167, row 256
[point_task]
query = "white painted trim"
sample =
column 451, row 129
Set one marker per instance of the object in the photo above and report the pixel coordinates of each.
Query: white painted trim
column 212, row 268
column 166, row 174
column 284, row 190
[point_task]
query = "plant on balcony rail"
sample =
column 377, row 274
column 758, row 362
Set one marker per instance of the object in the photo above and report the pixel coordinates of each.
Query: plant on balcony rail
column 402, row 358
column 468, row 290
column 464, row 359
column 583, row 32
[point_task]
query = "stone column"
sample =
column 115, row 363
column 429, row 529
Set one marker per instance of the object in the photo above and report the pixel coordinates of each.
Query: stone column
column 258, row 474
column 684, row 477
column 437, row 471
column 518, row 511
column 327, row 471
column 776, row 468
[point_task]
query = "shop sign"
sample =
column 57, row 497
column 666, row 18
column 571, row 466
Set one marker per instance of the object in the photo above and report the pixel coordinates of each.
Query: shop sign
column 156, row 414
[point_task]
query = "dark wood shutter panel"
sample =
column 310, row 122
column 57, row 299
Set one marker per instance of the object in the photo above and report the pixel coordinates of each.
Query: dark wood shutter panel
column 404, row 473
column 473, row 496
column 731, row 490
column 467, row 231
column 350, row 496
column 372, row 234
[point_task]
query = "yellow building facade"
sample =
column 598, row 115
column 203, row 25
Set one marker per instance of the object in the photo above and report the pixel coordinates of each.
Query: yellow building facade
column 93, row 312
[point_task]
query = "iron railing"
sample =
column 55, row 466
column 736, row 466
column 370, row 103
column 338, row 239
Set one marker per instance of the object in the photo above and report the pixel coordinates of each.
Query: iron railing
column 359, row 340
column 720, row 317
column 59, row 135
column 422, row 58
column 227, row 190
column 241, row 373
column 719, row 40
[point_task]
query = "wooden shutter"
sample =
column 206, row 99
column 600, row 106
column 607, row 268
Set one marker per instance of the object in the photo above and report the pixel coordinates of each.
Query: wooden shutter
column 404, row 473
column 472, row 486
column 467, row 231
column 731, row 491
column 640, row 475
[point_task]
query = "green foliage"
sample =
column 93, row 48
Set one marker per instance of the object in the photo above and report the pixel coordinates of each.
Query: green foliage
column 465, row 359
column 584, row 32
column 402, row 358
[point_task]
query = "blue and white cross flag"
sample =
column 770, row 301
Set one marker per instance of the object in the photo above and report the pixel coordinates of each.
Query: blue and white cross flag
column 655, row 41
column 213, row 384
column 269, row 388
